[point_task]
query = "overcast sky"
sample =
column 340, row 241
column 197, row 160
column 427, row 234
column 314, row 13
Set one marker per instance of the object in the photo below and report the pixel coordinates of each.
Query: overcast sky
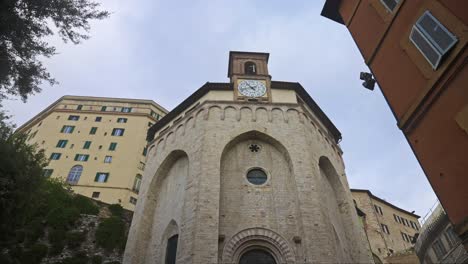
column 165, row 50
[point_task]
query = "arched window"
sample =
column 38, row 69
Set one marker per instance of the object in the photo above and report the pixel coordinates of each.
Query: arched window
column 171, row 249
column 257, row 256
column 250, row 68
column 74, row 174
column 137, row 183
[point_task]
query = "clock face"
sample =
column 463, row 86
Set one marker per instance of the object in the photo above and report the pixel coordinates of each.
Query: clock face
column 252, row 88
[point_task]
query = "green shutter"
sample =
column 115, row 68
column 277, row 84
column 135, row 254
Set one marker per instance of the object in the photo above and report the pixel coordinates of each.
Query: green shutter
column 113, row 146
column 79, row 107
column 76, row 157
column 93, row 131
column 107, row 176
column 145, row 151
column 103, row 108
column 63, row 129
column 86, row 158
column 87, row 144
column 72, row 128
column 96, row 178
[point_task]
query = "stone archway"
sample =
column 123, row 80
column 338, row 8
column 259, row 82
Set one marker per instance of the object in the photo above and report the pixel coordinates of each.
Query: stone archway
column 260, row 239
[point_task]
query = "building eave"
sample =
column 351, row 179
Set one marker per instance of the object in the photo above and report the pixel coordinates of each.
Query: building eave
column 330, row 11
column 297, row 87
column 384, row 202
column 52, row 106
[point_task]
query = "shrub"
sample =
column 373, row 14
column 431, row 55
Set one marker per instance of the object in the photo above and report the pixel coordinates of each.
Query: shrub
column 5, row 259
column 74, row 239
column 79, row 258
column 85, row 205
column 57, row 240
column 96, row 259
column 116, row 210
column 35, row 254
column 34, row 230
column 63, row 217
column 110, row 233
column 113, row 262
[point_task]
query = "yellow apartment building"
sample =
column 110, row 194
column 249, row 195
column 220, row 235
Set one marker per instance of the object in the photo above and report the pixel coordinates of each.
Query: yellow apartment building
column 96, row 144
column 390, row 230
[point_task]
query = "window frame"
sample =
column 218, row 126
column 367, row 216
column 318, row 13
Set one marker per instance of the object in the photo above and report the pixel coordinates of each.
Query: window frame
column 87, row 144
column 59, row 143
column 113, row 146
column 118, row 132
column 74, row 174
column 73, row 118
column 98, row 119
column 47, row 173
column 67, row 129
column 388, row 8
column 93, row 130
column 55, row 156
column 108, row 159
column 99, row 174
column 122, row 119
column 81, row 157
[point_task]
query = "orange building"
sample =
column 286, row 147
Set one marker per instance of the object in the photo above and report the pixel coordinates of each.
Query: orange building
column 416, row 50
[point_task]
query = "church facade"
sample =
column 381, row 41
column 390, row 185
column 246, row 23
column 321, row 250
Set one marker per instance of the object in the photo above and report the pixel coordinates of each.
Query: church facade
column 245, row 172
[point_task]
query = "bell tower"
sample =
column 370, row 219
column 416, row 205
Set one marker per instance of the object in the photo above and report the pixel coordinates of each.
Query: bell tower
column 248, row 72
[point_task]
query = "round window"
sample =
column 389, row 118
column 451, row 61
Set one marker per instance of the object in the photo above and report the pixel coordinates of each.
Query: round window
column 256, row 176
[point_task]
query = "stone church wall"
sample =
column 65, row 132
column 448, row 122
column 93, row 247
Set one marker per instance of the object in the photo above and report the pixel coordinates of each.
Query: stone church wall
column 195, row 184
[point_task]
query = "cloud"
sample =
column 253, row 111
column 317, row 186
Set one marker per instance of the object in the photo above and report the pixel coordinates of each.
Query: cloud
column 165, row 50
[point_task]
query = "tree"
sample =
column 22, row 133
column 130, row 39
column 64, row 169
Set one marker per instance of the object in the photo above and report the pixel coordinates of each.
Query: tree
column 23, row 26
column 20, row 175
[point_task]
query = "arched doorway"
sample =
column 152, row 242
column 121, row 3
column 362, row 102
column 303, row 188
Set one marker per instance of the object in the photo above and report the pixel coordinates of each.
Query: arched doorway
column 257, row 256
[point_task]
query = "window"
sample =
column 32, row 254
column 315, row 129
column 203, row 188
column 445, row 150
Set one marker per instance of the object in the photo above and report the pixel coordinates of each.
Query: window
column 150, row 124
column 432, row 39
column 141, row 166
column 256, row 176
column 74, row 174
column 98, row 119
column 101, row 177
column 87, row 144
column 103, row 108
column 74, row 118
column 79, row 107
column 256, row 255
column 145, row 150
column 385, row 229
column 55, row 156
column 118, row 132
column 93, row 131
column 108, row 159
column 62, row 143
column 137, row 183
column 378, row 209
column 390, row 4
column 451, row 237
column 47, row 172
column 121, row 120
column 40, row 123
column 171, row 249
column 112, row 146
column 439, row 249
column 133, row 200
column 250, row 68
column 414, row 225
column 95, row 195
column 126, row 109
column 405, row 237
column 32, row 135
column 397, row 218
column 81, row 157
column 67, row 129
